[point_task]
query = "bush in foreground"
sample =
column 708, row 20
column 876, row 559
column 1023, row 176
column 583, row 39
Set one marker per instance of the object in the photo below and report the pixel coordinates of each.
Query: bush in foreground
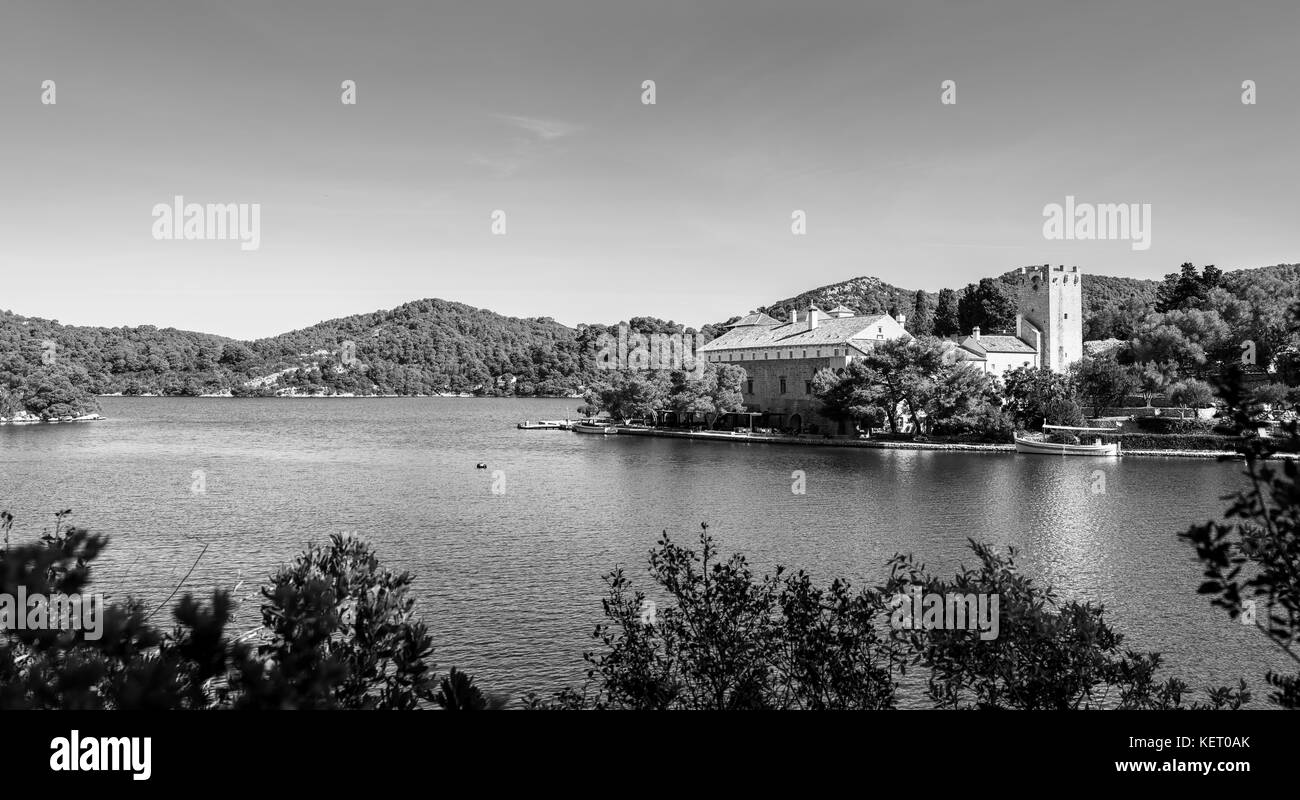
column 338, row 631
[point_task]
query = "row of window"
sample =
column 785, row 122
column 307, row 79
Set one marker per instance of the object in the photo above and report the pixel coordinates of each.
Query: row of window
column 807, row 386
column 767, row 354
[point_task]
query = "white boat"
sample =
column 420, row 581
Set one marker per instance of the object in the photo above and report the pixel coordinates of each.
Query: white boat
column 1042, row 446
column 545, row 425
column 594, row 427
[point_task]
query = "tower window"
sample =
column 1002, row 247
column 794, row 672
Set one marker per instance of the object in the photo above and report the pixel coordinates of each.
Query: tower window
column 807, row 387
column 749, row 386
column 782, row 385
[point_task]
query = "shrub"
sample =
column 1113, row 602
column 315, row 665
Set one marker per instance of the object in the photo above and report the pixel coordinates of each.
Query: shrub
column 1174, row 425
column 339, row 632
column 733, row 641
column 1174, row 441
column 1191, row 393
column 1064, row 411
column 1046, row 655
column 1250, row 555
column 730, row 640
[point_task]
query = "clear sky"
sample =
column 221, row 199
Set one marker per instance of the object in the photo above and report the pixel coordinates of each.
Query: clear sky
column 681, row 209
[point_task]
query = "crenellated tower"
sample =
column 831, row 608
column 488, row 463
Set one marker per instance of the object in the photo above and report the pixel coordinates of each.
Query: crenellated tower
column 1051, row 302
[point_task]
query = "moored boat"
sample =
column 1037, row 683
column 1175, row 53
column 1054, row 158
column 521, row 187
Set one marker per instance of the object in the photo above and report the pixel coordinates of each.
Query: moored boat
column 590, row 426
column 1045, row 446
column 545, row 425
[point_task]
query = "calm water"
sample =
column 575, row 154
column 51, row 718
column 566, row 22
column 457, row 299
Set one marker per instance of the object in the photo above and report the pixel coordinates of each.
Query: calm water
column 511, row 584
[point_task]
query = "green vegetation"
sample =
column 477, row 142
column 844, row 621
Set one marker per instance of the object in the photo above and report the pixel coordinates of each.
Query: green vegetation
column 731, row 640
column 1189, row 324
column 918, row 377
column 645, row 395
column 338, row 631
column 1250, row 556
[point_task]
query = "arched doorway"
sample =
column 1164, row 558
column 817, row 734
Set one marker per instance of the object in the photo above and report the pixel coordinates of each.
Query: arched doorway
column 796, row 423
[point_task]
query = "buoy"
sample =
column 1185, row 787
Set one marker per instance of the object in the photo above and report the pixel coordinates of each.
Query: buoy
column 481, row 465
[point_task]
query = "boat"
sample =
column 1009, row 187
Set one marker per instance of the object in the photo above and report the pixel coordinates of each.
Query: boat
column 1043, row 446
column 545, row 425
column 594, row 426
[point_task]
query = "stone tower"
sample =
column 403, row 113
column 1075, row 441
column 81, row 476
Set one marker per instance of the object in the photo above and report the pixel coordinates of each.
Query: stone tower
column 1051, row 300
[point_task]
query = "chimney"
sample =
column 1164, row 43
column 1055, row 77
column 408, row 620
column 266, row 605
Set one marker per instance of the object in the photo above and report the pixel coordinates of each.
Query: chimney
column 794, row 315
column 812, row 317
column 901, row 320
column 975, row 331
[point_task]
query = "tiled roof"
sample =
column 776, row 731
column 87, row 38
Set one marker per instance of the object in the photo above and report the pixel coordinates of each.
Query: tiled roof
column 997, row 344
column 828, row 332
column 756, row 318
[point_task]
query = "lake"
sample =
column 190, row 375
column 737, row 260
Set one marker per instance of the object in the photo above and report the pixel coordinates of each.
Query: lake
column 510, row 584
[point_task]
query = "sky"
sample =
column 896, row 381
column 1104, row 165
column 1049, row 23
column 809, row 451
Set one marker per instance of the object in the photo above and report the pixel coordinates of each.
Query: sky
column 613, row 208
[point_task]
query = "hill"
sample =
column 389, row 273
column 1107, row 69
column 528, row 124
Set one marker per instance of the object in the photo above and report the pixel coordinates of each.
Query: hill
column 433, row 346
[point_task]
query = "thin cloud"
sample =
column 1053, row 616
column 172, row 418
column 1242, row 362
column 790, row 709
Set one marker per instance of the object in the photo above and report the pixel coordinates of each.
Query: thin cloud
column 544, row 129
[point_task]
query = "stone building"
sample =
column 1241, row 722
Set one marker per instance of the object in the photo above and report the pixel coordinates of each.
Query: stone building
column 1049, row 325
column 780, row 359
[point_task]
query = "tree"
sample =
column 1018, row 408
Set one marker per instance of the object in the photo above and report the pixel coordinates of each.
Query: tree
column 720, row 637
column 1154, row 377
column 1104, row 383
column 1188, row 338
column 338, row 632
column 960, row 399
column 629, row 395
column 1186, row 289
column 730, row 640
column 1191, row 393
column 716, row 392
column 990, row 304
column 947, row 321
column 1046, row 655
column 1031, row 391
column 854, row 397
column 1250, row 556
column 922, row 321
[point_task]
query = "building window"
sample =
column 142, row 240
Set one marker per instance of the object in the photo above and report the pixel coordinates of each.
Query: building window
column 819, row 354
column 782, row 384
column 749, row 386
column 1067, row 316
column 807, row 387
column 805, row 354
column 880, row 330
column 880, row 335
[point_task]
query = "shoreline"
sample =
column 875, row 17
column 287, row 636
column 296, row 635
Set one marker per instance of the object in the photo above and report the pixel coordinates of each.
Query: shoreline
column 55, row 421
column 343, row 396
column 762, row 438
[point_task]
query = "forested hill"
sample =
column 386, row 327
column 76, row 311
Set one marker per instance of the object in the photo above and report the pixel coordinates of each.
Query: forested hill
column 1104, row 297
column 437, row 346
column 1112, row 306
column 423, row 347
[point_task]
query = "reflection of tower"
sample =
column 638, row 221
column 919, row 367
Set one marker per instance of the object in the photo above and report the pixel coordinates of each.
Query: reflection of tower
column 1051, row 301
